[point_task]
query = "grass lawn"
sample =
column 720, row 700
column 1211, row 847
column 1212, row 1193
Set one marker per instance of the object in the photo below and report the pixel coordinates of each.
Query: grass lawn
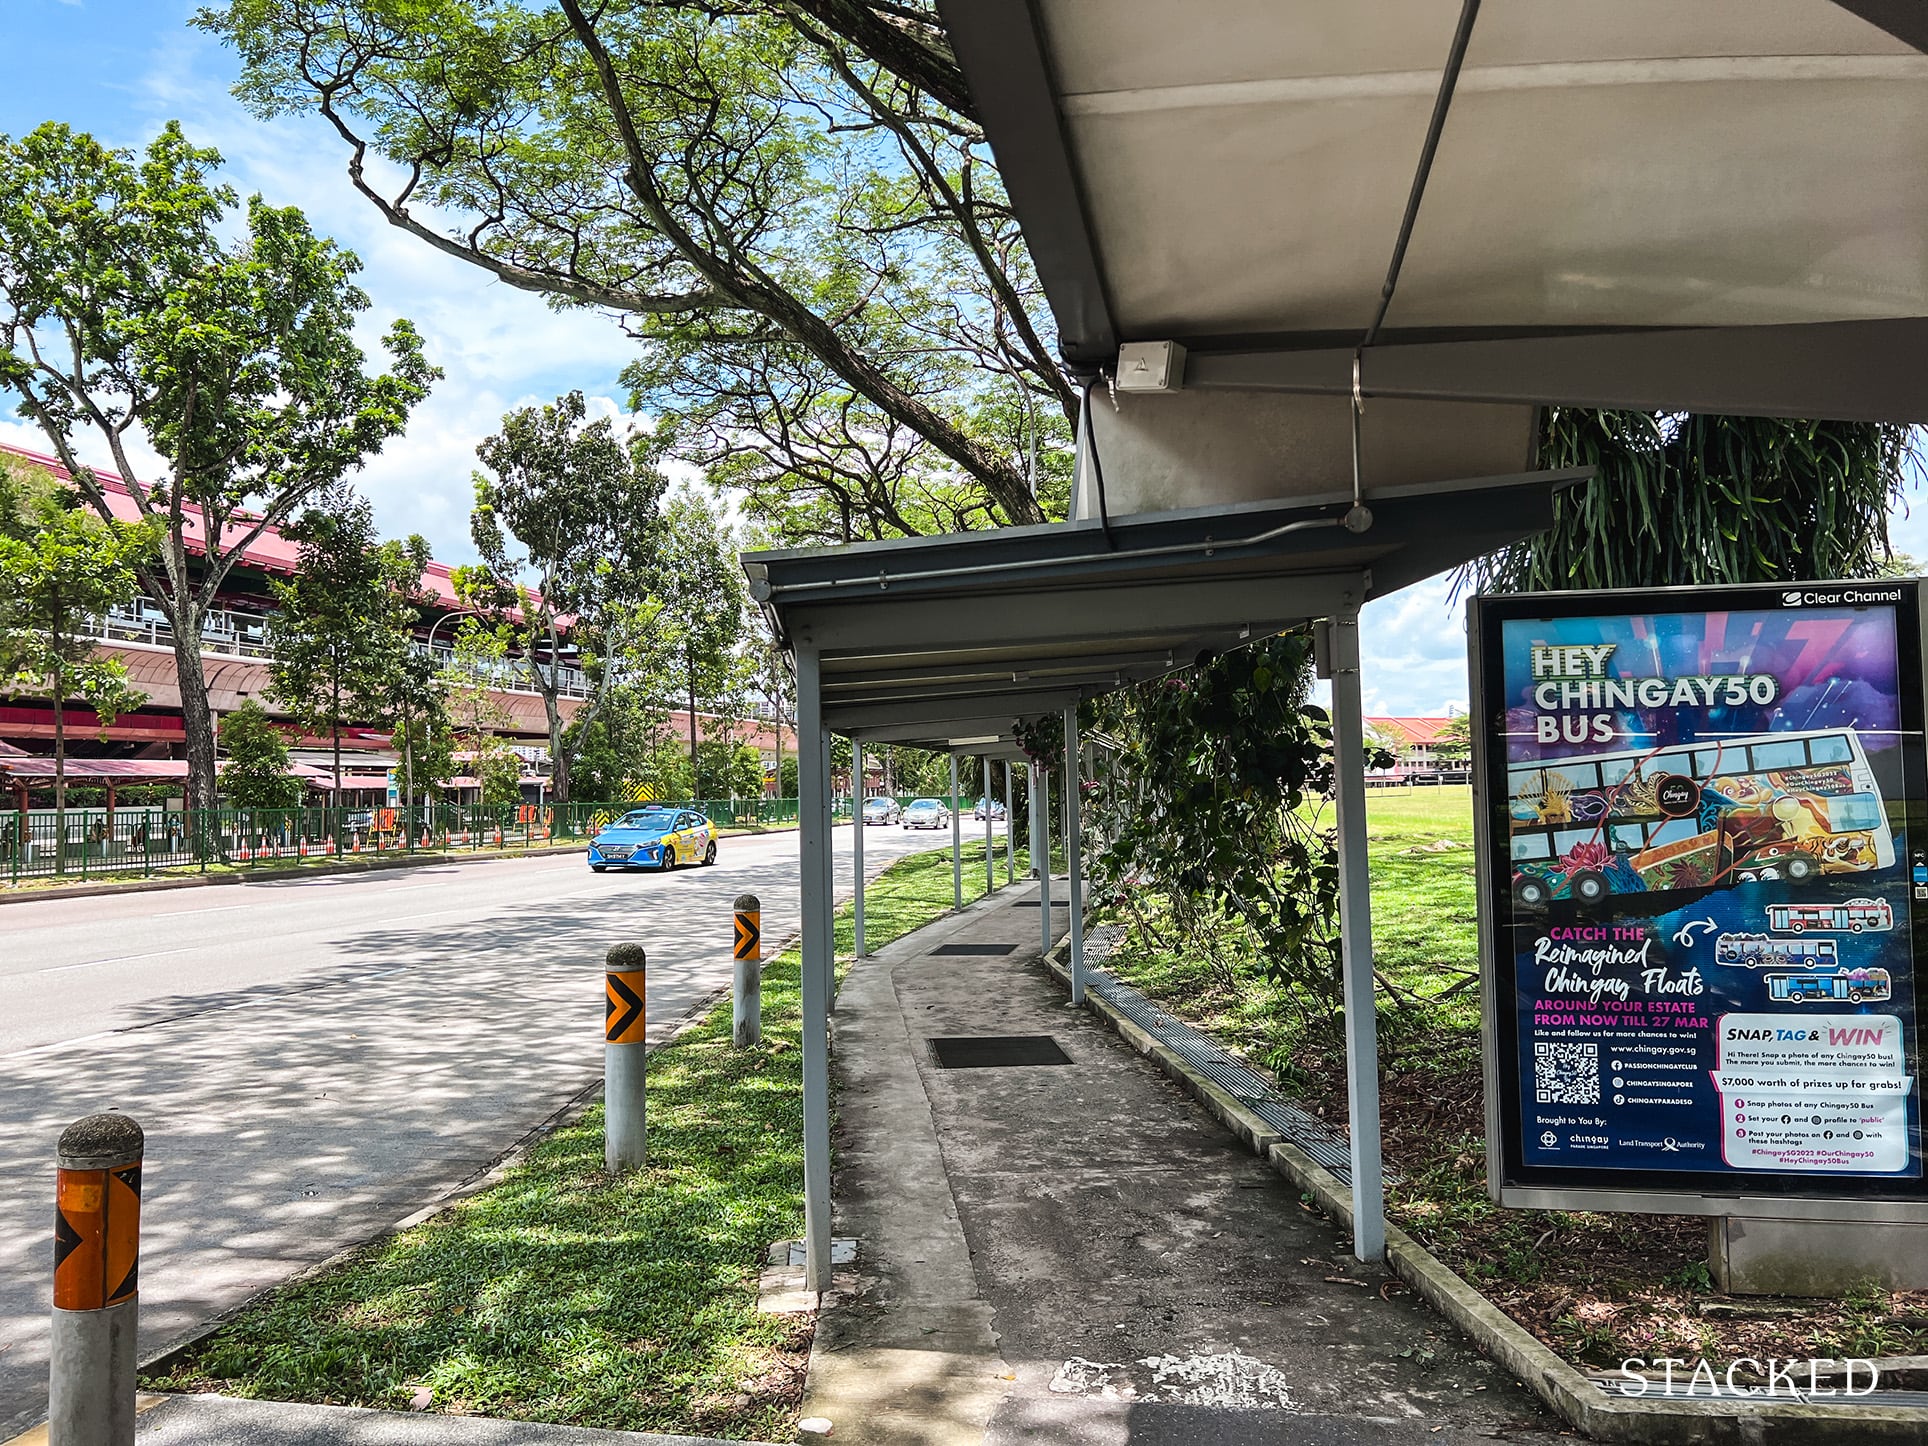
column 565, row 1294
column 1598, row 1288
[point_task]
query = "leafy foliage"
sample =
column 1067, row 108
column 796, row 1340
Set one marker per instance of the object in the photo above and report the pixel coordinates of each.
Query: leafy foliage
column 567, row 528
column 60, row 568
column 255, row 772
column 1213, row 797
column 125, row 306
column 790, row 205
column 340, row 635
column 1684, row 500
column 694, row 654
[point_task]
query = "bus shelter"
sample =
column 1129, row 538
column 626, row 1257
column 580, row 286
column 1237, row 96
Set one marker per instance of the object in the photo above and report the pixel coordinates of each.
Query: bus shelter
column 948, row 642
column 1285, row 243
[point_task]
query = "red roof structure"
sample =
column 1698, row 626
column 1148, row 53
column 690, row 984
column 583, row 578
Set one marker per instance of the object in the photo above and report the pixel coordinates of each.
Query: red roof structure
column 1412, row 730
column 270, row 552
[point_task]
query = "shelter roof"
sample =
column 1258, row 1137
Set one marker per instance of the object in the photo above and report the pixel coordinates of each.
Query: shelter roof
column 1713, row 207
column 946, row 641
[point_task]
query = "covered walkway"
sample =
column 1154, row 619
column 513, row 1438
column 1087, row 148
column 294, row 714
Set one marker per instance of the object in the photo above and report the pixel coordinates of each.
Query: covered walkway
column 1079, row 1252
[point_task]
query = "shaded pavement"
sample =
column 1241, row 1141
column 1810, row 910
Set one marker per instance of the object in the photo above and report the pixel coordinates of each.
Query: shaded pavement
column 1079, row 1252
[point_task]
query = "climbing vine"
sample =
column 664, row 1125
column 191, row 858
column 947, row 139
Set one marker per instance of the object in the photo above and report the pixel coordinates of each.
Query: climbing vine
column 1210, row 788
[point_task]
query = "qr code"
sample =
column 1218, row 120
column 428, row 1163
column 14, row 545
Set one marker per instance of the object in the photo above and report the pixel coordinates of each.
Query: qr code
column 1566, row 1074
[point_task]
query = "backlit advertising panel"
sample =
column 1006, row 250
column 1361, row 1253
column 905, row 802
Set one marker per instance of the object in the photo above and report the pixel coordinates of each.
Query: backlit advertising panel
column 1704, row 870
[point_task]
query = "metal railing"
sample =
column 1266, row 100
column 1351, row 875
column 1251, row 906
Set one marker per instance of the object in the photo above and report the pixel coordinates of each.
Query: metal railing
column 229, row 634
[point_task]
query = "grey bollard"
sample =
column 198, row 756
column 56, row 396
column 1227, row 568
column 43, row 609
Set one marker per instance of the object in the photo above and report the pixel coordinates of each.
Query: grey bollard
column 746, row 997
column 625, row 1017
column 97, row 1248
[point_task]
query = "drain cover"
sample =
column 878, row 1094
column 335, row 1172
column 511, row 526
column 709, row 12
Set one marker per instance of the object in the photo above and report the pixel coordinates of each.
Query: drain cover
column 997, row 1051
column 1033, row 903
column 974, row 949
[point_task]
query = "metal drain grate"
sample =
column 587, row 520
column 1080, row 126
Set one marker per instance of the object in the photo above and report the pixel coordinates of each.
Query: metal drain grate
column 1307, row 1131
column 996, row 1051
column 1033, row 903
column 975, row 949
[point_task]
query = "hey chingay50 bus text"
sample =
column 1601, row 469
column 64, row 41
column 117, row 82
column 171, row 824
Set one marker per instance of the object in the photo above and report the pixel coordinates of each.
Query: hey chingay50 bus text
column 1575, row 694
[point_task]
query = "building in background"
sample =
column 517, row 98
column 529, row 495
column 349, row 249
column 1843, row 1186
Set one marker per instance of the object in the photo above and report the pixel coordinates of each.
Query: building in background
column 148, row 745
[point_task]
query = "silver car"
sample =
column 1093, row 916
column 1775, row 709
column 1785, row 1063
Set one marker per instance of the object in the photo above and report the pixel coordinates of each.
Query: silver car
column 882, row 810
column 927, row 813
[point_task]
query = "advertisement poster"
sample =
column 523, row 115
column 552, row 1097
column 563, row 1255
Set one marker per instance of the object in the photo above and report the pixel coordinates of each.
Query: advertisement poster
column 1706, row 872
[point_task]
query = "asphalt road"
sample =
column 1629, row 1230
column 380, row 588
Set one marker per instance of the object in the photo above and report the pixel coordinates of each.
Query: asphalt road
column 314, row 1059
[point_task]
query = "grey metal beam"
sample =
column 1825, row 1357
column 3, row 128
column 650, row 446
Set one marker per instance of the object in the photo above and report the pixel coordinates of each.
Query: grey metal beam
column 850, row 719
column 1355, row 937
column 1010, row 829
column 999, row 47
column 880, row 674
column 813, row 842
column 1060, row 679
column 1080, row 617
column 1073, row 845
column 1041, row 844
column 857, row 841
column 957, row 845
column 990, row 858
column 1872, row 371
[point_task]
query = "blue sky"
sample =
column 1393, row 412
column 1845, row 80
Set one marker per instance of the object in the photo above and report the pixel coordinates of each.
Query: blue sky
column 119, row 68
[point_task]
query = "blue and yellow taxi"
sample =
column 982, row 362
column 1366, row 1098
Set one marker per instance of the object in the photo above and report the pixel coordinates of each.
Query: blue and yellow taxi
column 657, row 837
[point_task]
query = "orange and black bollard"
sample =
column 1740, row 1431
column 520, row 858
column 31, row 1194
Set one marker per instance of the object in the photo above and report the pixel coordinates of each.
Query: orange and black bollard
column 625, row 1017
column 97, row 1251
column 746, row 1007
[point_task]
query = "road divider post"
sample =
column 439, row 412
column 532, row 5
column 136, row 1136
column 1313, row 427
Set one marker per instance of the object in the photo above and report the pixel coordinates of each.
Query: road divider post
column 746, row 996
column 625, row 1017
column 97, row 1248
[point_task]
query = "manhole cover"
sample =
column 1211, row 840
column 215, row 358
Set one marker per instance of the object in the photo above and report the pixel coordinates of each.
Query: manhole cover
column 996, row 1051
column 974, row 949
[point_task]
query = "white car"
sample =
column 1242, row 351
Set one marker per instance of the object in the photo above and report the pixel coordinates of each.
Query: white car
column 882, row 810
column 927, row 813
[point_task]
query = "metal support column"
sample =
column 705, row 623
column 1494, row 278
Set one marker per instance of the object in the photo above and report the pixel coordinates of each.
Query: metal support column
column 1355, row 932
column 1041, row 836
column 957, row 844
column 990, row 859
column 1010, row 828
column 813, row 842
column 1074, row 847
column 857, row 842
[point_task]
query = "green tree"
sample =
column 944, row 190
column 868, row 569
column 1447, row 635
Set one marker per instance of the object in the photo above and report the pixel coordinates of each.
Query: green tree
column 790, row 204
column 255, row 772
column 60, row 568
column 1453, row 746
column 728, row 768
column 498, row 770
column 339, row 637
column 130, row 305
column 567, row 531
column 1693, row 500
column 703, row 602
column 612, row 750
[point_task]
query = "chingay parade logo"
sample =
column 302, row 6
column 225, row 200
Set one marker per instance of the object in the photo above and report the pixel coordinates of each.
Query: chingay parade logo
column 1570, row 683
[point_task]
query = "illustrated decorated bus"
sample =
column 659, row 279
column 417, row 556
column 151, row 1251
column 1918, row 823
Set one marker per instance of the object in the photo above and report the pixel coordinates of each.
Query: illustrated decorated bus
column 1853, row 916
column 1831, row 985
column 1695, row 816
column 1752, row 951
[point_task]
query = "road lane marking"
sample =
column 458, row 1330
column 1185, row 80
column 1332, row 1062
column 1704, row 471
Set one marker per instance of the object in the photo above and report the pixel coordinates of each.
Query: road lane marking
column 119, row 959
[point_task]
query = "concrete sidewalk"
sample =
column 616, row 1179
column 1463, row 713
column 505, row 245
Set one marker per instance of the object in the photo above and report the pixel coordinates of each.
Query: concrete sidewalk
column 1079, row 1252
column 224, row 1421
